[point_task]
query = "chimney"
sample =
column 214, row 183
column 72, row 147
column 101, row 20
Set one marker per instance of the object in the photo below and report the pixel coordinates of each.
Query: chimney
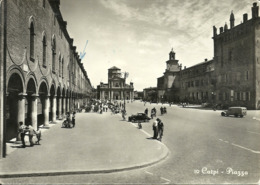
column 221, row 29
column 214, row 31
column 255, row 10
column 206, row 59
column 245, row 17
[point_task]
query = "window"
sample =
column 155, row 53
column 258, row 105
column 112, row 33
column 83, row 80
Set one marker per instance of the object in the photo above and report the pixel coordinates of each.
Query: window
column 43, row 3
column 238, row 96
column 32, row 41
column 44, row 51
column 59, row 65
column 247, row 96
column 247, row 75
column 53, row 54
column 62, row 66
column 230, row 55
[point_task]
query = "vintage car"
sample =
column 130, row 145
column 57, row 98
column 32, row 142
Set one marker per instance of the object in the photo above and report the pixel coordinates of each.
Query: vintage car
column 138, row 117
column 236, row 111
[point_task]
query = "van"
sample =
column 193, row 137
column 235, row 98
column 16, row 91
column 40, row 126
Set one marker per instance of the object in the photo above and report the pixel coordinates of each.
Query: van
column 236, row 111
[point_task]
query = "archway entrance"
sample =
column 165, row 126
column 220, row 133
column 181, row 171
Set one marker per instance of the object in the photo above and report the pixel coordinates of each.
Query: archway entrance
column 43, row 105
column 31, row 104
column 15, row 106
column 53, row 104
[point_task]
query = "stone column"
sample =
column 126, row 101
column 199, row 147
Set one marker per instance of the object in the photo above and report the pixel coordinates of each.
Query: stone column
column 34, row 111
column 20, row 112
column 109, row 94
column 54, row 108
column 59, row 108
column 64, row 106
column 68, row 109
column 100, row 95
column 46, row 110
column 112, row 95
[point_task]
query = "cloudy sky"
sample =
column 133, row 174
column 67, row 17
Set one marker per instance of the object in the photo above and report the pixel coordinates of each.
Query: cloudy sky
column 137, row 35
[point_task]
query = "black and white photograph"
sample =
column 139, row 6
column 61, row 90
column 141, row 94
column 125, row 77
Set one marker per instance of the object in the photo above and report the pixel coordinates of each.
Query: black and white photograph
column 121, row 92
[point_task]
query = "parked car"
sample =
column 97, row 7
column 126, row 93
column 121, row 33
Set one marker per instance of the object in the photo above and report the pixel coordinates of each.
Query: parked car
column 236, row 111
column 139, row 117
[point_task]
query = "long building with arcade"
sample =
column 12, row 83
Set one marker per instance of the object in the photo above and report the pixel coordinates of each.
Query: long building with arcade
column 42, row 76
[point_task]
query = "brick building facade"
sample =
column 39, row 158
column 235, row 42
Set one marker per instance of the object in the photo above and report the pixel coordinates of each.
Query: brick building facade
column 44, row 74
column 236, row 58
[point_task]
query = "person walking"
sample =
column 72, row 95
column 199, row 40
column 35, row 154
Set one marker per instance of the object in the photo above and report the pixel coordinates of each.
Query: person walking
column 161, row 110
column 154, row 110
column 31, row 133
column 22, row 131
column 155, row 128
column 73, row 118
column 152, row 113
column 160, row 130
column 164, row 110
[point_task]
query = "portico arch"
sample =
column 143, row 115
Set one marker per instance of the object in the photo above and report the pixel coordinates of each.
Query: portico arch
column 43, row 108
column 15, row 105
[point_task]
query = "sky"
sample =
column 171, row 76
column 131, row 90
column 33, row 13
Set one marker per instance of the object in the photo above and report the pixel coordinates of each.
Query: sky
column 137, row 35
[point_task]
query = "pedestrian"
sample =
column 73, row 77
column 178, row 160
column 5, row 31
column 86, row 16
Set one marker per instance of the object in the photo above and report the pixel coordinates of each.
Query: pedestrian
column 155, row 128
column 154, row 110
column 164, row 110
column 67, row 122
column 38, row 136
column 140, row 125
column 161, row 109
column 160, row 130
column 152, row 113
column 22, row 131
column 123, row 114
column 73, row 118
column 31, row 133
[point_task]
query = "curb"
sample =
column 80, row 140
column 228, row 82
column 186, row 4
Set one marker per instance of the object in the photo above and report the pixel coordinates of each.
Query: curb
column 80, row 172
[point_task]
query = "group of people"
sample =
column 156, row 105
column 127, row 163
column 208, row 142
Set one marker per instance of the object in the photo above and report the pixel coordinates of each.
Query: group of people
column 158, row 127
column 23, row 129
column 70, row 122
column 163, row 110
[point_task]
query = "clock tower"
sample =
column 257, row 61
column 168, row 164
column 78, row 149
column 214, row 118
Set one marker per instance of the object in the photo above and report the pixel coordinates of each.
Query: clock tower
column 172, row 64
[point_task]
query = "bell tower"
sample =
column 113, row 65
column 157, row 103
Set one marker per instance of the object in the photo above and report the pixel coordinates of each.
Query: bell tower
column 172, row 64
column 172, row 55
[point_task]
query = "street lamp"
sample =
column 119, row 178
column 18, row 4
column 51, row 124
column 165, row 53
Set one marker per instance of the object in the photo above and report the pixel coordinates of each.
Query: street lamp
column 125, row 76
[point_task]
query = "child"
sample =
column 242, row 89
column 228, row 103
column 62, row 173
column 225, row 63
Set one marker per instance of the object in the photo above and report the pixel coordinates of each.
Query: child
column 38, row 136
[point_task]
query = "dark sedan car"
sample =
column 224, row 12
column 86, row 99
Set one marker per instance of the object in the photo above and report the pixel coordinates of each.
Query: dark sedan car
column 138, row 117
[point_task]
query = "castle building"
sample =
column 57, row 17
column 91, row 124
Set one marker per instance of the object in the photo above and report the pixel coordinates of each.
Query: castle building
column 232, row 78
column 116, row 88
column 237, row 61
column 42, row 76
